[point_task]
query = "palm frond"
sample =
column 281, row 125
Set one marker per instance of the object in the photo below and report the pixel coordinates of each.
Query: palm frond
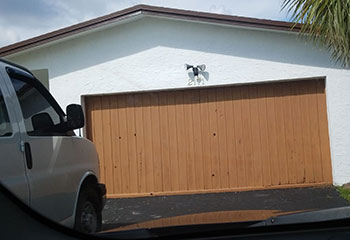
column 327, row 22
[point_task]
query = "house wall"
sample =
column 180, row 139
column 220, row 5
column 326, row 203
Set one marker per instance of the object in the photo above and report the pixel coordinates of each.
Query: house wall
column 149, row 54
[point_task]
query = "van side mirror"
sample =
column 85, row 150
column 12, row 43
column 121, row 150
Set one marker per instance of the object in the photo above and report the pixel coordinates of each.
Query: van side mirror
column 75, row 117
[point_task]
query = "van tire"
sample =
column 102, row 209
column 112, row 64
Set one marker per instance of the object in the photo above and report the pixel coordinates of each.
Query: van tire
column 88, row 217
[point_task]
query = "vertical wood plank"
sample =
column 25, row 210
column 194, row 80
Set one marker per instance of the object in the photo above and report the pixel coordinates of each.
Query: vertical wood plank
column 221, row 135
column 148, row 141
column 280, row 131
column 289, row 132
column 272, row 137
column 314, row 129
column 131, row 138
column 247, row 137
column 238, row 129
column 181, row 135
column 140, row 144
column 98, row 133
column 264, row 136
column 230, row 137
column 164, row 137
column 198, row 150
column 123, row 141
column 88, row 116
column 189, row 141
column 324, row 138
column 214, row 142
column 298, row 133
column 157, row 151
column 206, row 135
column 255, row 136
column 173, row 139
column 106, row 135
column 115, row 143
column 304, row 106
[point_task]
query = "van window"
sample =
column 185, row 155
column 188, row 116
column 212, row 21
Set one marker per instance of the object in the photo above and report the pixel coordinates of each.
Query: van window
column 5, row 124
column 36, row 109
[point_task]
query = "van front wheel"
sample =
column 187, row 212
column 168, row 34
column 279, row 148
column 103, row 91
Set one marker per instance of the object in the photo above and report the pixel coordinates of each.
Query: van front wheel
column 88, row 217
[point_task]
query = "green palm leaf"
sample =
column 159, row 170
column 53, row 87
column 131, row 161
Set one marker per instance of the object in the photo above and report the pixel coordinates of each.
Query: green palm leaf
column 327, row 22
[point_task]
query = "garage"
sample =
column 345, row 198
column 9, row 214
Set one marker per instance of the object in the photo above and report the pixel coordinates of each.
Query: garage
column 211, row 139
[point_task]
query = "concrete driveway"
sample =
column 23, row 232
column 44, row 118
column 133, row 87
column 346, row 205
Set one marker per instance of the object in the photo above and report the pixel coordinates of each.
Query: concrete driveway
column 123, row 212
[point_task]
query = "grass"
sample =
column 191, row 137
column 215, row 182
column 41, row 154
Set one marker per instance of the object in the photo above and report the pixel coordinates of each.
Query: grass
column 344, row 193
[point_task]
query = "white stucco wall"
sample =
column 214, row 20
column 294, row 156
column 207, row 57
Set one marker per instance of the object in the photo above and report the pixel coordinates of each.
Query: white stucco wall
column 149, row 54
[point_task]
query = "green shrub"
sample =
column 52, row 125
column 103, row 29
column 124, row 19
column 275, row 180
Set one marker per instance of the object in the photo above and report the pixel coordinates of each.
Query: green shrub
column 344, row 193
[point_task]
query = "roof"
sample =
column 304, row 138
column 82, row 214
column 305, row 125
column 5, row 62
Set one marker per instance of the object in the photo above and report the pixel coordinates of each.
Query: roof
column 153, row 11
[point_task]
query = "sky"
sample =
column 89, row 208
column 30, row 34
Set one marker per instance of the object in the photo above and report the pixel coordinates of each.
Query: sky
column 23, row 19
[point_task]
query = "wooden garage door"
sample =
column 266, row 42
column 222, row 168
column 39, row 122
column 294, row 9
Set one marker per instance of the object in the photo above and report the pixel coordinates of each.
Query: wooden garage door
column 211, row 139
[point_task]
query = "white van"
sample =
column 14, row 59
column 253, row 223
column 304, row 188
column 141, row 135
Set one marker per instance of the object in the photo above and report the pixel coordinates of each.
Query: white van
column 41, row 160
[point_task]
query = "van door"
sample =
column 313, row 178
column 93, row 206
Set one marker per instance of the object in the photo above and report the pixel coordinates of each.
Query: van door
column 12, row 162
column 51, row 169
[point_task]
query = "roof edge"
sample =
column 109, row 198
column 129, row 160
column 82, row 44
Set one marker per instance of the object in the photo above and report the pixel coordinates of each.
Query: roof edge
column 150, row 10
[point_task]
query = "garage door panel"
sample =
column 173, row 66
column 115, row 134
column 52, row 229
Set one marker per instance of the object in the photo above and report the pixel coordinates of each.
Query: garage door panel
column 237, row 110
column 123, row 144
column 304, row 105
column 315, row 138
column 116, row 166
column 164, row 137
column 222, row 136
column 247, row 139
column 173, row 154
column 147, row 140
column 264, row 139
column 272, row 137
column 197, row 138
column 205, row 133
column 88, row 117
column 213, row 139
column 106, row 145
column 280, row 131
column 131, row 141
column 188, row 140
column 255, row 134
column 97, row 133
column 140, row 144
column 288, row 133
column 156, row 147
column 230, row 138
column 181, row 137
column 324, row 138
column 297, row 134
